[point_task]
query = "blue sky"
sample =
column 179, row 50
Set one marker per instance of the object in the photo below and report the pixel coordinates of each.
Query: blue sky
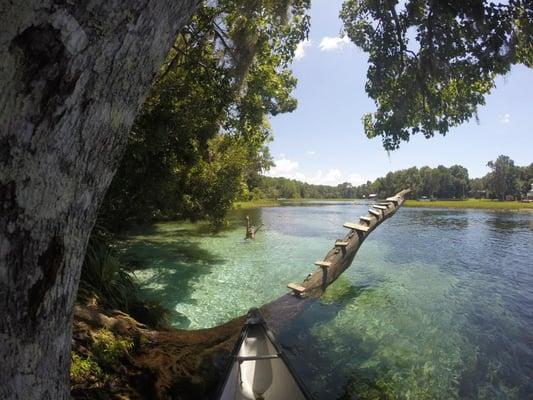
column 323, row 141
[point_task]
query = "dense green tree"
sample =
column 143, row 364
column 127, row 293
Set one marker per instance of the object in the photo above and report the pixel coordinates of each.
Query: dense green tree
column 429, row 183
column 460, row 181
column 200, row 140
column 523, row 181
column 501, row 181
column 432, row 62
column 440, row 182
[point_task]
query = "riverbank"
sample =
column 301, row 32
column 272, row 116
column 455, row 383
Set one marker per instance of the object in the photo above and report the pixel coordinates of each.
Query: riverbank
column 116, row 357
column 479, row 204
column 256, row 203
column 276, row 203
column 482, row 204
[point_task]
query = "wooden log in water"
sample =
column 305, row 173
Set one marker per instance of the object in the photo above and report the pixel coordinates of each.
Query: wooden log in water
column 191, row 363
column 339, row 261
column 339, row 258
column 280, row 311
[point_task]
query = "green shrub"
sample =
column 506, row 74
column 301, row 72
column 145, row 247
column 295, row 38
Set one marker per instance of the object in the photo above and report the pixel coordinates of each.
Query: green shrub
column 104, row 276
column 83, row 369
column 108, row 348
column 107, row 281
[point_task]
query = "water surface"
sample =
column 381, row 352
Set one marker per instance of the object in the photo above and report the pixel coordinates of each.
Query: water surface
column 438, row 304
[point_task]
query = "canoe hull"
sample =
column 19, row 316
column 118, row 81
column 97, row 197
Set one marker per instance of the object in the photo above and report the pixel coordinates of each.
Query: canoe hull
column 259, row 369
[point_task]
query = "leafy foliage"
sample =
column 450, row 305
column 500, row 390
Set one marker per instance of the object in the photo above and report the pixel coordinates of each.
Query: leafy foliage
column 104, row 278
column 202, row 132
column 99, row 359
column 440, row 182
column 107, row 282
column 108, row 348
column 201, row 136
column 83, row 368
column 433, row 62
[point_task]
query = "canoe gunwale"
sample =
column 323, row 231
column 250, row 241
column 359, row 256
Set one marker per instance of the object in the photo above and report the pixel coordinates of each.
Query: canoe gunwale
column 254, row 358
column 254, row 318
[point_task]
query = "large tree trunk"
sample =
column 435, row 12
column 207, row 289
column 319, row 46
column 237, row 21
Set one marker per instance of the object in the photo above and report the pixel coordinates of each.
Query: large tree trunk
column 72, row 76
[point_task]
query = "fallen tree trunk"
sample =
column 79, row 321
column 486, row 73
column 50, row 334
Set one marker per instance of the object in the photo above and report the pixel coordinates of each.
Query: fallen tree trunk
column 337, row 260
column 190, row 364
column 162, row 364
column 340, row 257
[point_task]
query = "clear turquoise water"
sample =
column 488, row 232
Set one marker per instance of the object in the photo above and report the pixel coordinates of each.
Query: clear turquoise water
column 438, row 304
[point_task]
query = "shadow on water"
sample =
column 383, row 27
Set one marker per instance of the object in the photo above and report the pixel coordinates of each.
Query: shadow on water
column 169, row 263
column 508, row 221
column 171, row 230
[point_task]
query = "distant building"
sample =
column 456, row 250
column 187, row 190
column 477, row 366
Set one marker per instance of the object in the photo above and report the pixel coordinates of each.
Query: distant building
column 530, row 193
column 478, row 194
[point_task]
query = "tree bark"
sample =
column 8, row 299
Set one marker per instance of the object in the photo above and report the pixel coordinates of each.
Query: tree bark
column 72, row 76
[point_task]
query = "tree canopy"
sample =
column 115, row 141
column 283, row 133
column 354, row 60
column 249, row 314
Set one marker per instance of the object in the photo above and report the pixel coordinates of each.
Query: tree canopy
column 431, row 62
column 202, row 133
column 441, row 182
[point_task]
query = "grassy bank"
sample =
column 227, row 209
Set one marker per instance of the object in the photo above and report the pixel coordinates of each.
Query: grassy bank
column 275, row 203
column 257, row 203
column 483, row 204
column 472, row 203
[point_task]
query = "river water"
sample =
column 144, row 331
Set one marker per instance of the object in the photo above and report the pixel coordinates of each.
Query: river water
column 438, row 304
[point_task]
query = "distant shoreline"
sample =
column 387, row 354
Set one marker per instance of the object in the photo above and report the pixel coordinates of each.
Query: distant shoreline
column 472, row 204
column 478, row 204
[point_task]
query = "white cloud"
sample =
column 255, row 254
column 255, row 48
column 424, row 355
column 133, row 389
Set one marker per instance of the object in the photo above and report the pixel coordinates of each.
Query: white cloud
column 299, row 53
column 310, row 152
column 334, row 43
column 285, row 168
column 291, row 169
column 505, row 118
column 356, row 179
column 332, row 177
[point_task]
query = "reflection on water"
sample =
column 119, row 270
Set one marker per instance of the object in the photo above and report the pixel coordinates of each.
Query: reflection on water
column 438, row 304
